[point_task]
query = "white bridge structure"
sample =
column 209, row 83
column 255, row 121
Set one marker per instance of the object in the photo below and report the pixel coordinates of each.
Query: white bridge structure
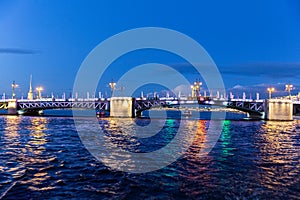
column 272, row 109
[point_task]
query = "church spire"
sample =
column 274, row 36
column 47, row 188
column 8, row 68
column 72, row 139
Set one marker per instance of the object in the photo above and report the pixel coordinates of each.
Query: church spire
column 30, row 93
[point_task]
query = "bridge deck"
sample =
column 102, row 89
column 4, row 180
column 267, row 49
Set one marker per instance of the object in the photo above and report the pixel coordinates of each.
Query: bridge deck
column 246, row 105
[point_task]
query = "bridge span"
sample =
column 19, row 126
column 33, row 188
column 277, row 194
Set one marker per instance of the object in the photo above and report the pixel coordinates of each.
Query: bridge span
column 46, row 105
column 255, row 108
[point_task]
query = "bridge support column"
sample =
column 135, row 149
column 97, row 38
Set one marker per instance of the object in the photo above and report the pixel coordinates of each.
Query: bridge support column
column 12, row 107
column 278, row 109
column 122, row 107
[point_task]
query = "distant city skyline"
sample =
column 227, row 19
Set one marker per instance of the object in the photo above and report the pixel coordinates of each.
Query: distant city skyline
column 255, row 44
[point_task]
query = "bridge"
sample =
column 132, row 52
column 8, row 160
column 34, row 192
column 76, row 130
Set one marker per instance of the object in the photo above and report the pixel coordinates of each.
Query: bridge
column 135, row 106
column 272, row 109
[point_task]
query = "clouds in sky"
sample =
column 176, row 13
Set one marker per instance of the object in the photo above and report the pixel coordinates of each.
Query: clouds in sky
column 249, row 74
column 284, row 70
column 256, row 69
column 280, row 89
column 17, row 51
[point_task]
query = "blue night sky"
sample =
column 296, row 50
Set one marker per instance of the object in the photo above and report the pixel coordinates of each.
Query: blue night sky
column 255, row 44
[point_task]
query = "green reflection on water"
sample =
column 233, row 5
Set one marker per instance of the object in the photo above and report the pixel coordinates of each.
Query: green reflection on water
column 170, row 121
column 226, row 137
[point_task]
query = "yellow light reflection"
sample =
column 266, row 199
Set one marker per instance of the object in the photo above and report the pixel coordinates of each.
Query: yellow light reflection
column 12, row 127
column 35, row 152
column 13, row 146
column 200, row 136
column 37, row 135
column 278, row 154
column 196, row 136
column 196, row 154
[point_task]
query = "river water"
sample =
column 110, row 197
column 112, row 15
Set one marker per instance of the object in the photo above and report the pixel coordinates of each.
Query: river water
column 43, row 157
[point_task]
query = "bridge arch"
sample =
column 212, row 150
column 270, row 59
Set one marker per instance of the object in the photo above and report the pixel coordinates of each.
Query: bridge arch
column 34, row 107
column 253, row 108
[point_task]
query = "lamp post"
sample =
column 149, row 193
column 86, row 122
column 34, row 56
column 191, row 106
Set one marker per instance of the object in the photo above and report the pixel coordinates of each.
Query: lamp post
column 193, row 90
column 13, row 86
column 270, row 90
column 112, row 86
column 39, row 89
column 196, row 88
column 289, row 87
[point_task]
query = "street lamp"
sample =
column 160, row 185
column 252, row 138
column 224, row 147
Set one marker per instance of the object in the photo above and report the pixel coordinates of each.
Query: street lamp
column 112, row 86
column 196, row 88
column 193, row 90
column 289, row 87
column 39, row 89
column 13, row 86
column 270, row 90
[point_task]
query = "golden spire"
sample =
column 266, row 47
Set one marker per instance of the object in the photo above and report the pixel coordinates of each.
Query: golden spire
column 30, row 93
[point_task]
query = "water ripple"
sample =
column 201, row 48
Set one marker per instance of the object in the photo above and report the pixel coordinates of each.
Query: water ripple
column 43, row 157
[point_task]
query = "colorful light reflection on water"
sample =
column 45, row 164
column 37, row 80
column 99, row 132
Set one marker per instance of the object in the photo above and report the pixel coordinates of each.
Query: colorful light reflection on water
column 43, row 157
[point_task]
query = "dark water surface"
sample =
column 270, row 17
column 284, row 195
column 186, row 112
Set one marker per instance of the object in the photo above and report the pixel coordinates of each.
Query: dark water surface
column 43, row 157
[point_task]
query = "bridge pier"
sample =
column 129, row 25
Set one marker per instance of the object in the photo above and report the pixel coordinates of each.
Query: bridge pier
column 278, row 109
column 122, row 107
column 12, row 107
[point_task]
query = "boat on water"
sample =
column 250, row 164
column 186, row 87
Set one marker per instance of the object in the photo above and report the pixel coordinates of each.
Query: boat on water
column 31, row 112
column 100, row 114
column 187, row 113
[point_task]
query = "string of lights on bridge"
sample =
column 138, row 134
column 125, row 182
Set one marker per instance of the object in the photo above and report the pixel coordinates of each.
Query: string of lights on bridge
column 196, row 89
